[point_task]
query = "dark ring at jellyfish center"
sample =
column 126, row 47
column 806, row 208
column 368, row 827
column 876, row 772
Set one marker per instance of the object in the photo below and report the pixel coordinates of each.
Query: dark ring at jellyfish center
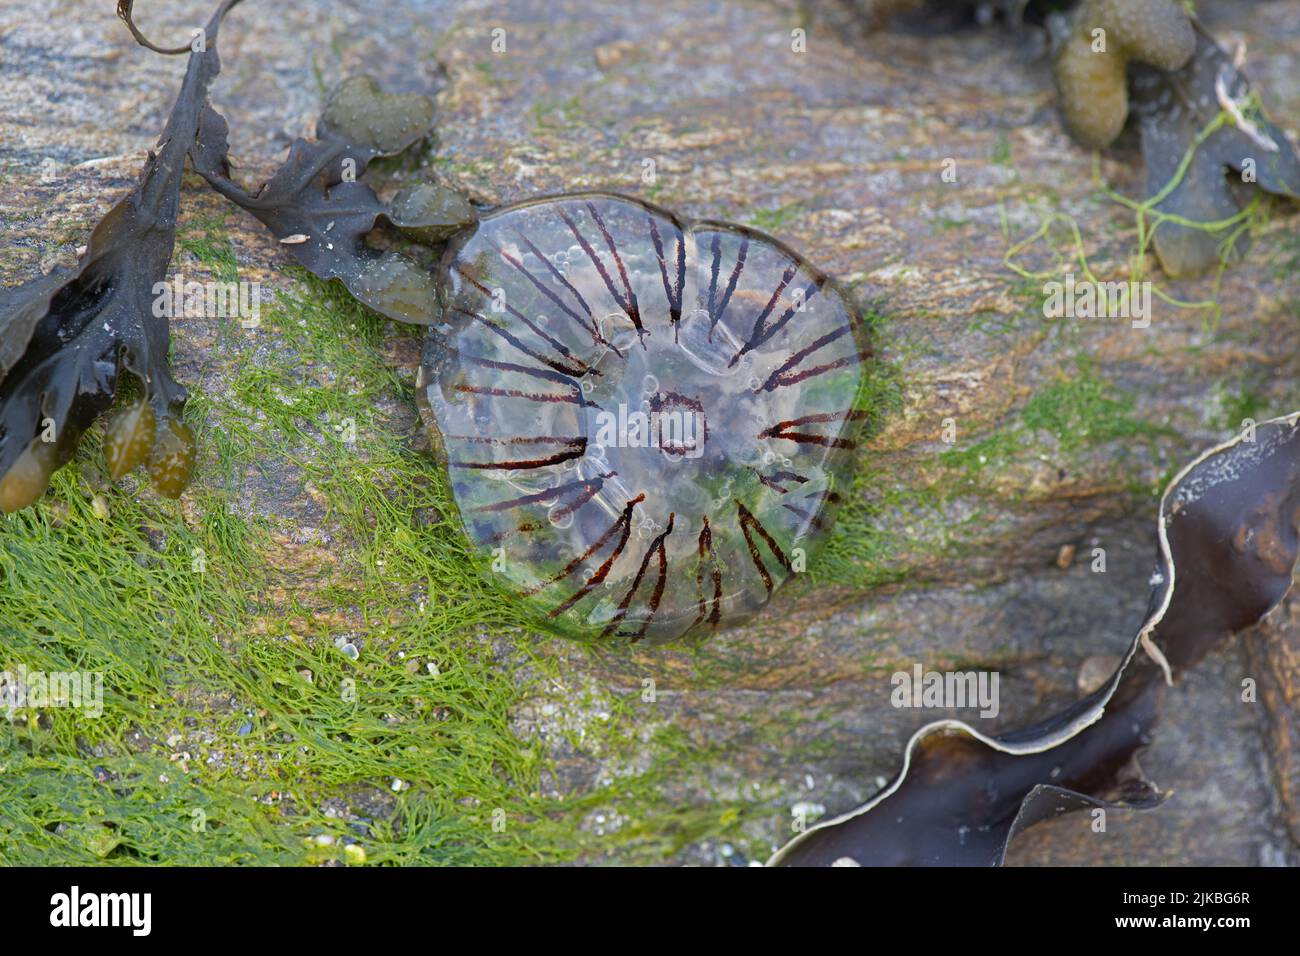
column 647, row 422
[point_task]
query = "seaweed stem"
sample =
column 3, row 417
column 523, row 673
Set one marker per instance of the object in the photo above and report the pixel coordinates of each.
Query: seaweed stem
column 124, row 12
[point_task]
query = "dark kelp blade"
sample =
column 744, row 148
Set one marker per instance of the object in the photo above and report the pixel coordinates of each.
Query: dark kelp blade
column 65, row 338
column 318, row 207
column 1228, row 546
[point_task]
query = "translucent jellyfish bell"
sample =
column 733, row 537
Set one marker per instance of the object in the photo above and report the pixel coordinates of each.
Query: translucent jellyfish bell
column 667, row 448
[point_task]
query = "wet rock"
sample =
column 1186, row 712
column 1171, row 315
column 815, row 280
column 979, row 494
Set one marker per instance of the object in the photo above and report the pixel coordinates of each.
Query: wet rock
column 838, row 152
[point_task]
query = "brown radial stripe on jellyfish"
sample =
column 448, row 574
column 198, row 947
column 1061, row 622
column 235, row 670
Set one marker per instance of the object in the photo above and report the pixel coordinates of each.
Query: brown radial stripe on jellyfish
column 761, row 332
column 647, row 419
column 705, row 548
column 557, row 365
column 627, row 300
column 624, row 526
column 813, row 517
column 718, row 306
column 656, row 549
column 783, row 429
column 786, row 374
column 532, row 327
column 577, row 494
column 774, row 481
column 673, row 292
column 749, row 525
column 541, row 287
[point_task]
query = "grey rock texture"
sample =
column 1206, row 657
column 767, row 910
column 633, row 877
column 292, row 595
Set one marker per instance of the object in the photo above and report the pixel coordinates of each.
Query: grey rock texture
column 838, row 151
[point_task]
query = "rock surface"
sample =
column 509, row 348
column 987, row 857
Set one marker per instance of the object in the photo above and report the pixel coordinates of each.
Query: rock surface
column 839, row 151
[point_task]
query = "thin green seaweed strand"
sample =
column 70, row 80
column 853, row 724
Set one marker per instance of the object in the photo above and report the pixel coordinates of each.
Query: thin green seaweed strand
column 1148, row 220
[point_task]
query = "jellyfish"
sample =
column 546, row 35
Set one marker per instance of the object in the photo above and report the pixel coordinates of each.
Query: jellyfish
column 647, row 422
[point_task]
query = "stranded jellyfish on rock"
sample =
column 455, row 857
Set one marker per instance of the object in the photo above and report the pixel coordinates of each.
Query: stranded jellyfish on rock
column 647, row 422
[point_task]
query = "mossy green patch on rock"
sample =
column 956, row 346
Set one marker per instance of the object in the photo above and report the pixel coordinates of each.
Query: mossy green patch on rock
column 1076, row 412
column 300, row 654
